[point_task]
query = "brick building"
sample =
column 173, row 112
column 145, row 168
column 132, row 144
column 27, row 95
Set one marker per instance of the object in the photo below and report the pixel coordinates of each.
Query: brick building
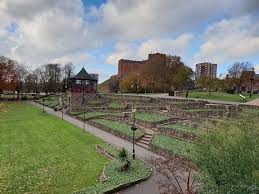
column 249, row 81
column 206, row 69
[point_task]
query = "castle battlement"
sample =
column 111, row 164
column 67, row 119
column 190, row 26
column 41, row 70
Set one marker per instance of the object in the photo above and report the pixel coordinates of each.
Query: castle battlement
column 126, row 66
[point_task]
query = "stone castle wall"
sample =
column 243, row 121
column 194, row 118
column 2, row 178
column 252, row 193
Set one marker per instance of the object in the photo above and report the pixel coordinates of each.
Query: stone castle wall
column 128, row 66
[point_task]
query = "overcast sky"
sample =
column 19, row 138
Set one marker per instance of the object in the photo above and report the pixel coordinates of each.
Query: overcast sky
column 97, row 33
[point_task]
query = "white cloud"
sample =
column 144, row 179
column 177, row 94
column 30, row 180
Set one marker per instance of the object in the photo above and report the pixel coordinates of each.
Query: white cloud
column 124, row 50
column 257, row 68
column 63, row 30
column 134, row 19
column 45, row 30
column 176, row 46
column 230, row 40
column 76, row 58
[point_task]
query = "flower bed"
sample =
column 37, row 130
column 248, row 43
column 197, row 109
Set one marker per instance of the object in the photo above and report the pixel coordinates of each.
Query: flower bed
column 172, row 145
column 116, row 105
column 150, row 117
column 121, row 129
column 179, row 131
column 179, row 128
column 89, row 115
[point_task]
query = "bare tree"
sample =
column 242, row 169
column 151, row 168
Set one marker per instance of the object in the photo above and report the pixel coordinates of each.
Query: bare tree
column 68, row 71
column 235, row 72
column 176, row 176
column 22, row 71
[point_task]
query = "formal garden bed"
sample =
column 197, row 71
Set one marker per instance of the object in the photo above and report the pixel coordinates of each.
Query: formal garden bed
column 113, row 177
column 170, row 145
column 117, row 128
column 91, row 115
column 178, row 130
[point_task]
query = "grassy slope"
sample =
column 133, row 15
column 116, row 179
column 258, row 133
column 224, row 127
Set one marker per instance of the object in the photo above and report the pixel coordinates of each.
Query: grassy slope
column 42, row 154
column 220, row 96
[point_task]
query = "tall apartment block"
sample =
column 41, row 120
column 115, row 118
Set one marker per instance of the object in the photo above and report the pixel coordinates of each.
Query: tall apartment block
column 206, row 70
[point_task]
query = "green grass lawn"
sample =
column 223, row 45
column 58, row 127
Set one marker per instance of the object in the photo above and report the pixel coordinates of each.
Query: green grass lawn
column 177, row 147
column 179, row 128
column 150, row 117
column 40, row 153
column 220, row 96
column 119, row 127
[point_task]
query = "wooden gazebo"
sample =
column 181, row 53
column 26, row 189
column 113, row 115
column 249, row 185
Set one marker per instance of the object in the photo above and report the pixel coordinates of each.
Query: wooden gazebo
column 82, row 86
column 83, row 82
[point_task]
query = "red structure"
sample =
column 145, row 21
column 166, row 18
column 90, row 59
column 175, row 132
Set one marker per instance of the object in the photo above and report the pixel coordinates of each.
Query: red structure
column 83, row 82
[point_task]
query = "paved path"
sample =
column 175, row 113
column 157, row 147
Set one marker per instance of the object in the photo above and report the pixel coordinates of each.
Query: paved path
column 149, row 186
column 254, row 102
column 165, row 95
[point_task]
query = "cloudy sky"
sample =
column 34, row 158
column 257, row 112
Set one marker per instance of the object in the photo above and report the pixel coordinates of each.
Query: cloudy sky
column 96, row 33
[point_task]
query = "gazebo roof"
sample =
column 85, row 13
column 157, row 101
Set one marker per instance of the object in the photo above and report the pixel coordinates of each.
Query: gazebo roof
column 83, row 75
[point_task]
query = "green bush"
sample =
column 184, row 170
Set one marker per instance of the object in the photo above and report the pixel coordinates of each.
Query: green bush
column 228, row 156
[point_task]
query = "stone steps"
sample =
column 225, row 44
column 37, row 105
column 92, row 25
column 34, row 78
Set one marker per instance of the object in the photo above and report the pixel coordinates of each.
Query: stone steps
column 145, row 140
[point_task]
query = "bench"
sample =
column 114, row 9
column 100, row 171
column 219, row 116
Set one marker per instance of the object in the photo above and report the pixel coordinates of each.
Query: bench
column 243, row 97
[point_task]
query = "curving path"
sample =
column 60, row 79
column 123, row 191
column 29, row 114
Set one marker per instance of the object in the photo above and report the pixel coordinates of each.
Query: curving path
column 149, row 186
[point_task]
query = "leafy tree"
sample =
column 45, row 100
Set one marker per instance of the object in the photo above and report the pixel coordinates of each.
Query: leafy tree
column 8, row 76
column 129, row 83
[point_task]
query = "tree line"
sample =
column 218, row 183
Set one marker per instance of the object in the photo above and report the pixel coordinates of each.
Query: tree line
column 16, row 77
column 238, row 74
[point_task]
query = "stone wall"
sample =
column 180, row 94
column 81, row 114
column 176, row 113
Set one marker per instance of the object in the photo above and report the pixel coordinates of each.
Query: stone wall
column 126, row 67
column 76, row 100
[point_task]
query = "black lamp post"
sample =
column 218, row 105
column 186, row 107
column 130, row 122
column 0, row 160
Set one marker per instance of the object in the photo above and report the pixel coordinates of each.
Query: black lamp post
column 133, row 128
